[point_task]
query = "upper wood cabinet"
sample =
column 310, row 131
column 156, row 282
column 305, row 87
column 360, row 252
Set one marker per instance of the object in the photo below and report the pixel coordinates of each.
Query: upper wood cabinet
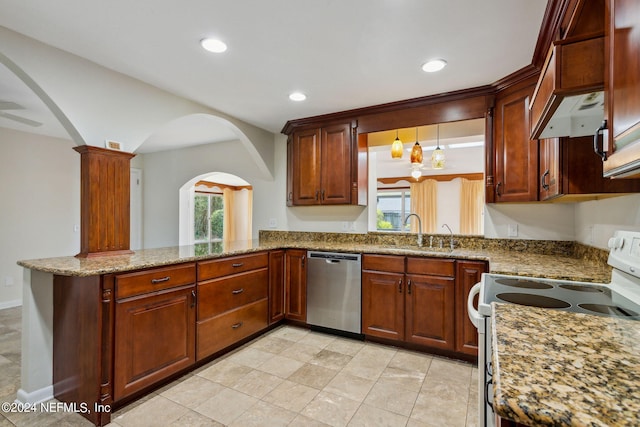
column 622, row 84
column 569, row 169
column 323, row 166
column 515, row 155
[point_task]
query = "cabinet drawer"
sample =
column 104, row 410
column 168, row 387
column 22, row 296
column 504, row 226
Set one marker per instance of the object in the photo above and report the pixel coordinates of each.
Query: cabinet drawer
column 387, row 263
column 220, row 295
column 143, row 282
column 431, row 266
column 216, row 268
column 222, row 331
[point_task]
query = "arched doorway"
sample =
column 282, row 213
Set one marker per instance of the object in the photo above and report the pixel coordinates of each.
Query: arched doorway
column 215, row 207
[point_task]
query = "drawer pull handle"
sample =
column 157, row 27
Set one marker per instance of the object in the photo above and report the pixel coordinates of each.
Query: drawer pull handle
column 237, row 291
column 238, row 264
column 193, row 299
column 163, row 279
column 236, row 325
column 400, row 286
column 409, row 287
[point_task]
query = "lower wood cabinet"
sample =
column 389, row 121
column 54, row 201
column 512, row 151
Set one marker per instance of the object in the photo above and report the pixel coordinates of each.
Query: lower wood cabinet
column 276, row 286
column 420, row 301
column 468, row 273
column 296, row 285
column 154, row 338
column 232, row 301
column 409, row 299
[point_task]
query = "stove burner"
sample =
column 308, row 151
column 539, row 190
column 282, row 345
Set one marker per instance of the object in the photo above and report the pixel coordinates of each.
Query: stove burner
column 610, row 310
column 533, row 300
column 582, row 288
column 523, row 283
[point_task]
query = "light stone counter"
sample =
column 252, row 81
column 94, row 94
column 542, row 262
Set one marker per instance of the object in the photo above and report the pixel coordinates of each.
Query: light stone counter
column 515, row 262
column 557, row 368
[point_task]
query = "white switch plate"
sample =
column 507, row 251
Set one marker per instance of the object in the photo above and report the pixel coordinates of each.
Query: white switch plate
column 273, row 223
column 512, row 230
column 345, row 225
column 8, row 281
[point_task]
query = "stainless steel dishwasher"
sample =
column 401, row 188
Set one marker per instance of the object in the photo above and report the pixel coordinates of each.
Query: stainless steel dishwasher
column 333, row 291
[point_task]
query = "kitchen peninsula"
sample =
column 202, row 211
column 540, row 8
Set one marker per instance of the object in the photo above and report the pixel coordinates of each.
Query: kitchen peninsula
column 102, row 290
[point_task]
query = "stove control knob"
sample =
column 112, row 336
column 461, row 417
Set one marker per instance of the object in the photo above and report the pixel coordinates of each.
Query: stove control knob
column 616, row 243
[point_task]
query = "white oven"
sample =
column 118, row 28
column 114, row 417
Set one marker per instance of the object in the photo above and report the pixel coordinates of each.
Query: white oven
column 620, row 297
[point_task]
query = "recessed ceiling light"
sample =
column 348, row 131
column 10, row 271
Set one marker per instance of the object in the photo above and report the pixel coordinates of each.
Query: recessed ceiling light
column 434, row 65
column 297, row 96
column 213, row 45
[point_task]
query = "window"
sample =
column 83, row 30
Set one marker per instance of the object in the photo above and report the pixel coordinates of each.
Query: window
column 393, row 207
column 208, row 217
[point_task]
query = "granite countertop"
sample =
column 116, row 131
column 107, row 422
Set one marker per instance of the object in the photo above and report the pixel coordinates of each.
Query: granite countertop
column 511, row 262
column 557, row 368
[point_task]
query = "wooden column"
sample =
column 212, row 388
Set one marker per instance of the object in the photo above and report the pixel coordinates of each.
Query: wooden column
column 104, row 201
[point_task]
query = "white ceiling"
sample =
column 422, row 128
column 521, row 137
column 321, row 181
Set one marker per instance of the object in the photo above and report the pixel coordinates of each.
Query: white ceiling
column 343, row 54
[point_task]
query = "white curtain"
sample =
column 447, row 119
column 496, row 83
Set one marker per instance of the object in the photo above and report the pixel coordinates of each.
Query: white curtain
column 471, row 206
column 423, row 203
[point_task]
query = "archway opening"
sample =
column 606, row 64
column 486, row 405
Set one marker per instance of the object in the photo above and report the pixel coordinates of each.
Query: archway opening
column 216, row 210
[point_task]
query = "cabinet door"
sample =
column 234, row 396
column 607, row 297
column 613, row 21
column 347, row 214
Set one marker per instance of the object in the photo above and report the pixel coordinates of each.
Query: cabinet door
column 306, row 167
column 296, row 285
column 516, row 156
column 289, row 171
column 622, row 81
column 276, row 286
column 383, row 304
column 336, row 165
column 549, row 168
column 468, row 273
column 154, row 338
column 430, row 319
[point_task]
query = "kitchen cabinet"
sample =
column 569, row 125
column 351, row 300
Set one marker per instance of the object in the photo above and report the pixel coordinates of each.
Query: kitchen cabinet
column 430, row 302
column 409, row 299
column 276, row 286
column 383, row 289
column 515, row 155
column 468, row 273
column 154, row 309
column 321, row 166
column 232, row 301
column 296, row 285
column 568, row 169
column 622, row 88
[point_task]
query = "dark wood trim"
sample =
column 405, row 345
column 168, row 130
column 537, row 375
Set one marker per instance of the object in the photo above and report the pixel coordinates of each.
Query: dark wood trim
column 459, row 95
column 520, row 77
column 549, row 30
column 441, row 178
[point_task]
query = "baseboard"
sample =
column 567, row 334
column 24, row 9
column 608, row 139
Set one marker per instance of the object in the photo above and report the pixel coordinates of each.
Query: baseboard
column 10, row 304
column 41, row 395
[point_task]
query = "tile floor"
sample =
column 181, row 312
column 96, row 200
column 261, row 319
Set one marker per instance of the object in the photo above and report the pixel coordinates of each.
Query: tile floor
column 288, row 377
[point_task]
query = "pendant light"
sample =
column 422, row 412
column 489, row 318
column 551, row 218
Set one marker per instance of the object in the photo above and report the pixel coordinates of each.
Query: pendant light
column 416, row 159
column 396, row 148
column 437, row 157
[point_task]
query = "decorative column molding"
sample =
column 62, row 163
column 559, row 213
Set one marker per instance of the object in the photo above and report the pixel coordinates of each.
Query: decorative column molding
column 104, row 201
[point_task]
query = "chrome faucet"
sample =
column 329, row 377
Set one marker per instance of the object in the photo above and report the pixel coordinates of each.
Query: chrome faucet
column 451, row 244
column 419, row 227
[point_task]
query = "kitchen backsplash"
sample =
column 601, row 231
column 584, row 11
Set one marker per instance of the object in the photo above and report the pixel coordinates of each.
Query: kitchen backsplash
column 542, row 247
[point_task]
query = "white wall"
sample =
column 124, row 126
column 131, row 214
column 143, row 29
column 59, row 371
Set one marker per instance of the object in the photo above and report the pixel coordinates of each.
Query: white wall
column 539, row 221
column 595, row 221
column 165, row 172
column 40, row 195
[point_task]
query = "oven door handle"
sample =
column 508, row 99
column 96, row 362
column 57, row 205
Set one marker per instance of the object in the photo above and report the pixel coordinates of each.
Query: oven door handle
column 473, row 314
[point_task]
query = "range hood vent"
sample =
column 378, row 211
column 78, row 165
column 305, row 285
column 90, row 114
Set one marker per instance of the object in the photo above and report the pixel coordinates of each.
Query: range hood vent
column 569, row 97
